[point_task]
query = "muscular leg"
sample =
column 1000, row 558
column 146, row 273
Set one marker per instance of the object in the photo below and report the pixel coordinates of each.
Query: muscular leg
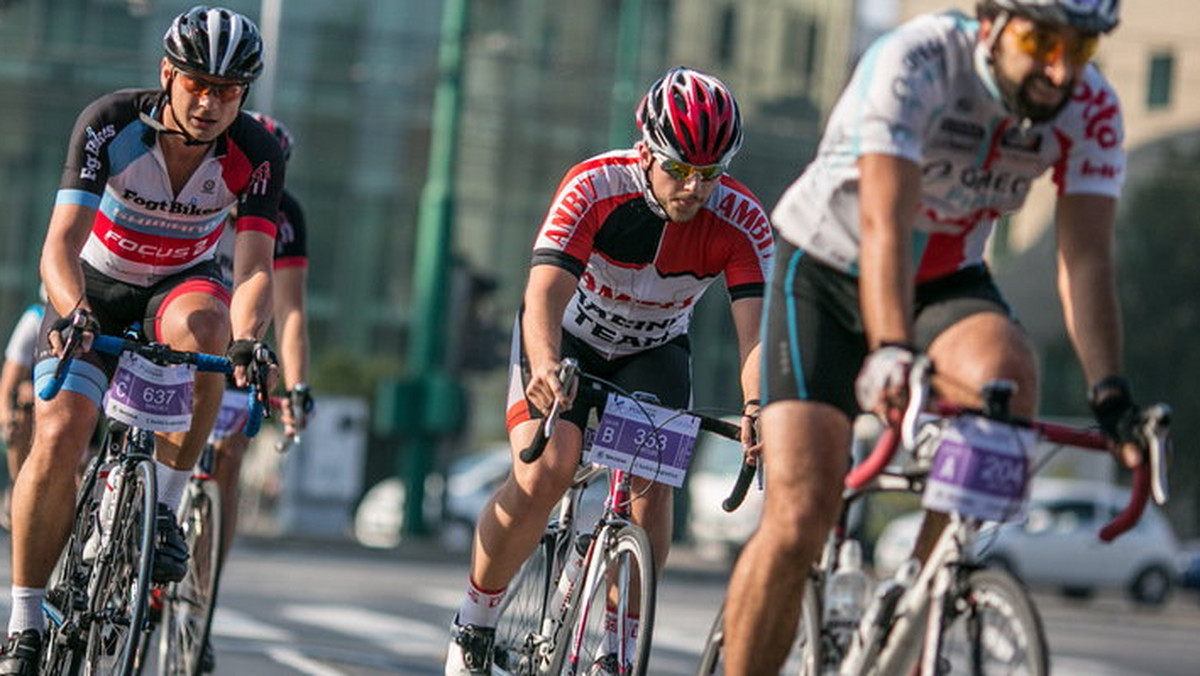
column 230, row 452
column 195, row 322
column 513, row 520
column 979, row 348
column 805, row 455
column 44, row 493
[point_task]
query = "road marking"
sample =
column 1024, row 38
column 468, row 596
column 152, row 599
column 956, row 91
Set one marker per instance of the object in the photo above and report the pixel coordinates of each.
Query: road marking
column 303, row 665
column 234, row 624
column 397, row 634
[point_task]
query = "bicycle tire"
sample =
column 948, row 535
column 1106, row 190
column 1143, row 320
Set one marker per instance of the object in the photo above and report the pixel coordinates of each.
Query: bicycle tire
column 66, row 590
column 621, row 555
column 520, row 645
column 120, row 583
column 993, row 629
column 188, row 605
column 802, row 658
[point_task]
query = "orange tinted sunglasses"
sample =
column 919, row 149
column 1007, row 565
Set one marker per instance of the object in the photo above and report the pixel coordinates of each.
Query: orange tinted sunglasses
column 1048, row 44
column 198, row 86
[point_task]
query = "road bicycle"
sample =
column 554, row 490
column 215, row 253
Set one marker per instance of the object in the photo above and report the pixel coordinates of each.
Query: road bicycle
column 97, row 599
column 184, row 609
column 950, row 615
column 553, row 619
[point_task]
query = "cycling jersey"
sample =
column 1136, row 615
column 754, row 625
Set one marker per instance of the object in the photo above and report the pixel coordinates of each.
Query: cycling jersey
column 291, row 240
column 143, row 232
column 22, row 344
column 918, row 94
column 640, row 274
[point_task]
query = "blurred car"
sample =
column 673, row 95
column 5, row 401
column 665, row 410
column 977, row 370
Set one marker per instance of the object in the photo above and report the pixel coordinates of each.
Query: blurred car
column 715, row 464
column 1189, row 565
column 1058, row 546
column 469, row 483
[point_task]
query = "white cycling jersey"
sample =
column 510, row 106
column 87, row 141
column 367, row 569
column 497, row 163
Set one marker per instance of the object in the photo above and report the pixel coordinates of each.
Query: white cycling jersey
column 22, row 343
column 918, row 94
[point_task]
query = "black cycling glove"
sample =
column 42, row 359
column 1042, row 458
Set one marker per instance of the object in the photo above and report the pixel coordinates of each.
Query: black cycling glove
column 78, row 322
column 1112, row 404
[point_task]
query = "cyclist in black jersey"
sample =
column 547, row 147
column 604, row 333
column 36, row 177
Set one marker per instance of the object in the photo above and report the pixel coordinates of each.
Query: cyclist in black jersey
column 631, row 241
column 150, row 178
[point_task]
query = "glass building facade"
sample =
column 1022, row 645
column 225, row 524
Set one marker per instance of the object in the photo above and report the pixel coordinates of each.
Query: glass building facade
column 354, row 81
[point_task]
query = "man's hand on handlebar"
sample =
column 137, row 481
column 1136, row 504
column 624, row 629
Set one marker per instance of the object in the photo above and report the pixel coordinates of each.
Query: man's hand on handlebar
column 72, row 335
column 254, row 363
column 545, row 388
column 751, row 439
column 1119, row 417
column 882, row 383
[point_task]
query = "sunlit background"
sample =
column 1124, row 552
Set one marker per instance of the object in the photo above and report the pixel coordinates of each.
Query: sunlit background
column 542, row 85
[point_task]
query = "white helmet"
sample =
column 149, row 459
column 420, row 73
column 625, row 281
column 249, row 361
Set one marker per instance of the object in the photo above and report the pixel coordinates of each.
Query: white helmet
column 1089, row 16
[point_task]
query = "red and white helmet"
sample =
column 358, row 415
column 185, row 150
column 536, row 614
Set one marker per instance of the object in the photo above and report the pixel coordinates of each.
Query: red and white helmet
column 691, row 117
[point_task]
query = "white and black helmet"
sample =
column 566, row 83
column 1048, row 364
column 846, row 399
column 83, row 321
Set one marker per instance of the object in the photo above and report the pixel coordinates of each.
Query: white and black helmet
column 1089, row 16
column 215, row 41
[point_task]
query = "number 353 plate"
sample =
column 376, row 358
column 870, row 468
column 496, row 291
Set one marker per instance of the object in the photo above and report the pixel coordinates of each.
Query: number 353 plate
column 645, row 440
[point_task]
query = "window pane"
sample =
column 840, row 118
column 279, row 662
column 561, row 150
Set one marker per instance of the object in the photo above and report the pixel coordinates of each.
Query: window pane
column 1162, row 67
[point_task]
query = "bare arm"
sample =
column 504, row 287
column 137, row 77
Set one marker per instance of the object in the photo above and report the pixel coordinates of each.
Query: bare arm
column 61, row 269
column 250, row 310
column 889, row 194
column 546, row 296
column 291, row 324
column 10, row 376
column 747, row 318
column 1087, row 282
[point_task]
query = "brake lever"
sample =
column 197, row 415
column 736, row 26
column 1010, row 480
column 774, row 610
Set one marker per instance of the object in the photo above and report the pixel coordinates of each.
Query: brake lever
column 1156, row 432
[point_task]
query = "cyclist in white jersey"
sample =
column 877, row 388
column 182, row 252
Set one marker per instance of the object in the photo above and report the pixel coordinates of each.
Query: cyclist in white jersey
column 943, row 126
column 16, row 395
column 150, row 177
column 630, row 243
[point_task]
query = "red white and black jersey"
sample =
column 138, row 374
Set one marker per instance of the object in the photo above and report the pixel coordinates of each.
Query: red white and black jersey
column 143, row 232
column 640, row 274
column 291, row 240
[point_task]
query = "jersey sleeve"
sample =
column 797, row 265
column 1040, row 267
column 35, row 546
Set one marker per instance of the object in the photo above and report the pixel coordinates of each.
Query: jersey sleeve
column 889, row 101
column 90, row 158
column 23, row 341
column 748, row 265
column 568, row 233
column 1091, row 134
column 255, row 167
column 291, row 241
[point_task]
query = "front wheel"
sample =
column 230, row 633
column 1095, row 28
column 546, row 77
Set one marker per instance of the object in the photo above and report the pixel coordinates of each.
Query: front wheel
column 120, row 583
column 188, row 604
column 993, row 628
column 613, row 620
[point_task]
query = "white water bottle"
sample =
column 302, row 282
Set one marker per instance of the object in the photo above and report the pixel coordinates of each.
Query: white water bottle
column 847, row 592
column 570, row 573
column 112, row 476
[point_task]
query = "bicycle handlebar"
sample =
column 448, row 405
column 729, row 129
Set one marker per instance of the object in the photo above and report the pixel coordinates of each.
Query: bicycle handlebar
column 568, row 370
column 156, row 352
column 1149, row 477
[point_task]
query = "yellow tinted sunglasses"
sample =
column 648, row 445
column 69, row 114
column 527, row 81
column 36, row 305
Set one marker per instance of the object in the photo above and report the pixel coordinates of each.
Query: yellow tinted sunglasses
column 1048, row 44
column 681, row 171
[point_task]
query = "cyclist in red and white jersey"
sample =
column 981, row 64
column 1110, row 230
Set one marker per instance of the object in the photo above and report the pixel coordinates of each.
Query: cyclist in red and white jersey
column 630, row 243
column 941, row 130
column 150, row 177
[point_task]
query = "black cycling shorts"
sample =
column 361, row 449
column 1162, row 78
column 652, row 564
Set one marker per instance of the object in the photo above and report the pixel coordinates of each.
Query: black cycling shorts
column 119, row 306
column 664, row 371
column 813, row 343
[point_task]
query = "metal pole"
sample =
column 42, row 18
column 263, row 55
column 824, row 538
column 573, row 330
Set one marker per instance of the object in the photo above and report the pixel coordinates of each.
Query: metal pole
column 625, row 73
column 270, row 14
column 426, row 353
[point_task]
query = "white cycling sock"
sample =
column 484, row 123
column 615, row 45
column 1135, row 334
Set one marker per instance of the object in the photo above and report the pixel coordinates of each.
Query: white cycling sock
column 171, row 482
column 26, row 609
column 481, row 607
column 610, row 631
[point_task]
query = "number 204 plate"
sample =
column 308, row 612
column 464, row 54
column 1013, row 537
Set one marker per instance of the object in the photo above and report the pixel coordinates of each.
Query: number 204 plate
column 981, row 470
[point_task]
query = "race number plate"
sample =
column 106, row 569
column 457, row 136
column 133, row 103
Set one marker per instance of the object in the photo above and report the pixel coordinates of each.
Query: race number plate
column 981, row 470
column 152, row 397
column 231, row 418
column 645, row 440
